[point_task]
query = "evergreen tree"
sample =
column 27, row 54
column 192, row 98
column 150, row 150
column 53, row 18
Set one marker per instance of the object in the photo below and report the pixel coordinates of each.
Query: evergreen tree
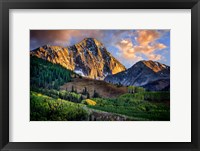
column 88, row 95
column 81, row 98
column 72, row 89
column 75, row 90
column 95, row 95
column 84, row 91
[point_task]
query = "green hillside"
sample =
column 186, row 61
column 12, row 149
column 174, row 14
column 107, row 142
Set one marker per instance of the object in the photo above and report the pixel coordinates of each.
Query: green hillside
column 44, row 74
column 45, row 108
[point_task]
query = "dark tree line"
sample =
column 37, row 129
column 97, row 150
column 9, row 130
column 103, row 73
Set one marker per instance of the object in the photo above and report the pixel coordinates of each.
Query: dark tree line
column 44, row 74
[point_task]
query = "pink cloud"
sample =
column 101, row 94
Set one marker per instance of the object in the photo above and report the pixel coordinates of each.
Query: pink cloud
column 126, row 49
column 147, row 46
column 154, row 57
column 62, row 37
column 147, row 36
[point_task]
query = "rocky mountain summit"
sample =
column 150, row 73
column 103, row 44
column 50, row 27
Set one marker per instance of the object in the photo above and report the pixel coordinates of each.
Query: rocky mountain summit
column 88, row 58
column 151, row 75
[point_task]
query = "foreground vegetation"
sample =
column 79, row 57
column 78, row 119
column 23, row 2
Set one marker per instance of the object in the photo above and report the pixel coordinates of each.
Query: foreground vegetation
column 135, row 105
column 44, row 108
column 73, row 103
column 132, row 105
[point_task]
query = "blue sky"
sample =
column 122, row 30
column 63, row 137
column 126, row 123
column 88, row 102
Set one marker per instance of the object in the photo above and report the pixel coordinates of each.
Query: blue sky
column 128, row 46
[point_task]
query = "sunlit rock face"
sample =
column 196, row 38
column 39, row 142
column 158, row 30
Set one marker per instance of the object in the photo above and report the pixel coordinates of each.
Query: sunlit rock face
column 88, row 58
column 151, row 75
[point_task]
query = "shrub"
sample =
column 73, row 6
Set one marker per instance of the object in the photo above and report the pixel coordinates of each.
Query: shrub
column 139, row 89
column 90, row 102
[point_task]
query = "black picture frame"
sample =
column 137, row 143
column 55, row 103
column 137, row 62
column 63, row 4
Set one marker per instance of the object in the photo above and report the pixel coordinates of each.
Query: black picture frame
column 5, row 5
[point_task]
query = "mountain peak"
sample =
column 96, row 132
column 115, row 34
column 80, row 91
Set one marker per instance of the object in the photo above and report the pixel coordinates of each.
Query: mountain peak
column 89, row 58
column 154, row 65
column 90, row 42
column 89, row 38
column 47, row 45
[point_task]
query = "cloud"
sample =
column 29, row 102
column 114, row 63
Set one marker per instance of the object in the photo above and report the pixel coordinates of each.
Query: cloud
column 147, row 36
column 70, row 37
column 160, row 46
column 146, row 45
column 148, row 49
column 154, row 57
column 61, row 37
column 126, row 49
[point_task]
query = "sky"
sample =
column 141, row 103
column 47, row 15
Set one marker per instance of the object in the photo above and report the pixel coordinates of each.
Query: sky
column 128, row 46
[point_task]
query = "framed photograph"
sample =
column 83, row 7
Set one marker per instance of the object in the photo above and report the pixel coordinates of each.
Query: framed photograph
column 85, row 75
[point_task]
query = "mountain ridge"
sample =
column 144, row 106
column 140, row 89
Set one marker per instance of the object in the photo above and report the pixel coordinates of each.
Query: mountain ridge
column 88, row 58
column 151, row 75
